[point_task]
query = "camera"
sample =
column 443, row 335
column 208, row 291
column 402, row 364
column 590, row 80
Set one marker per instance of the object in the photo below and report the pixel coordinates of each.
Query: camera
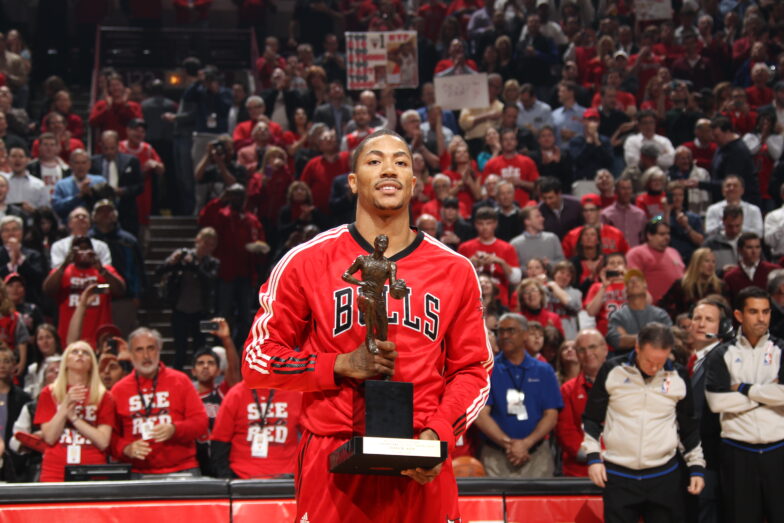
column 208, row 326
column 218, row 148
column 102, row 288
column 613, row 274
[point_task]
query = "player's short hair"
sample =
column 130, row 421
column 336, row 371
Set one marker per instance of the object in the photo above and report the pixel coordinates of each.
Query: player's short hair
column 375, row 134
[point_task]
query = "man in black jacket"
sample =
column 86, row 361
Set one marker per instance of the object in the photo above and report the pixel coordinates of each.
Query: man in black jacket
column 734, row 157
column 124, row 174
column 12, row 399
column 282, row 96
column 29, row 263
column 188, row 278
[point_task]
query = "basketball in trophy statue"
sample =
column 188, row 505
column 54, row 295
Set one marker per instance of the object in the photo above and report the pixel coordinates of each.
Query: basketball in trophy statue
column 388, row 445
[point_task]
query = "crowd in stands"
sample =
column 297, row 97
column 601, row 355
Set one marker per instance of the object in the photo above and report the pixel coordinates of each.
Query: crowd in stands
column 620, row 172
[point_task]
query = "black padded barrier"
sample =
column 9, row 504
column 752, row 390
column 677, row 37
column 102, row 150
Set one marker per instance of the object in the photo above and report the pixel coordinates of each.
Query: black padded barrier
column 182, row 489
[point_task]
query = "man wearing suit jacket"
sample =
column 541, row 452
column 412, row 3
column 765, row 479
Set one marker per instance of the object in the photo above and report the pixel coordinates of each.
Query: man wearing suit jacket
column 123, row 172
column 29, row 263
column 710, row 324
column 561, row 213
column 281, row 101
column 335, row 113
column 752, row 270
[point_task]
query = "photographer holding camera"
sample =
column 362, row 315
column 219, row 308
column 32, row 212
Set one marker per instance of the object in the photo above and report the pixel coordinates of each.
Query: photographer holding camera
column 80, row 271
column 218, row 170
column 187, row 284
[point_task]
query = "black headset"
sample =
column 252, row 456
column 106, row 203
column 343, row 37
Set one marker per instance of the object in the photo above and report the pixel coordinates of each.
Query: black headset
column 726, row 328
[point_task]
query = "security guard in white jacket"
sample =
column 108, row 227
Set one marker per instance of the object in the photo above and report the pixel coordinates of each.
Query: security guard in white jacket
column 641, row 408
column 745, row 385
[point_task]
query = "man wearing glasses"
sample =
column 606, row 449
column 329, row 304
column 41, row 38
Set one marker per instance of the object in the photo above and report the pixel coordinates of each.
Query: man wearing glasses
column 591, row 349
column 660, row 263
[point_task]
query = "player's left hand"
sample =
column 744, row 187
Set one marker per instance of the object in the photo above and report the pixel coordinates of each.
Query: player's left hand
column 420, row 475
column 696, row 484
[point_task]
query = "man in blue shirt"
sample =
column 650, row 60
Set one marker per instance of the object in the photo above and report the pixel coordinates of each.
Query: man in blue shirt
column 522, row 408
column 77, row 189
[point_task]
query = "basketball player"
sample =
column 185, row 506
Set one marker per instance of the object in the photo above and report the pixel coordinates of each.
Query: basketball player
column 436, row 340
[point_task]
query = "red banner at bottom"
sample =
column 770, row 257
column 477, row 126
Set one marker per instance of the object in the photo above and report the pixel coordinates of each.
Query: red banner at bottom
column 487, row 509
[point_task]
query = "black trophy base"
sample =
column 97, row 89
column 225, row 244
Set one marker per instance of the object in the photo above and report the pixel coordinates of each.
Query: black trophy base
column 385, row 456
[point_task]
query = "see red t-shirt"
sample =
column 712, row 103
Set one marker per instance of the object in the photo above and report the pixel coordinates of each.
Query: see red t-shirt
column 519, row 167
column 56, row 456
column 241, row 417
column 99, row 310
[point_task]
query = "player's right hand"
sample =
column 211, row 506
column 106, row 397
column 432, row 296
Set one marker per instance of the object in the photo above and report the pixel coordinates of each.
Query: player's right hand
column 362, row 364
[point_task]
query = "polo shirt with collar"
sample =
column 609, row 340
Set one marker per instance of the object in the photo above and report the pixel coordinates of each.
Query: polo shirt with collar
column 539, row 384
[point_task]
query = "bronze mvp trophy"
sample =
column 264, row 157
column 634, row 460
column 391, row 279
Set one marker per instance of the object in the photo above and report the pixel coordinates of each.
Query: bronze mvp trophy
column 388, row 445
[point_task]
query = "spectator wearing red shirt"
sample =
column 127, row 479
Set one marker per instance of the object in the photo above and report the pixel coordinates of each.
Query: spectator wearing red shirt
column 743, row 119
column 611, row 238
column 61, row 104
column 320, row 171
column 607, row 295
column 159, row 413
column 151, row 165
column 442, row 191
column 457, row 63
column 646, row 63
column 513, row 167
column 115, row 111
column 532, row 296
column 759, row 94
column 66, row 285
column 76, row 414
column 653, row 201
column 242, row 134
column 433, row 13
column 491, row 255
column 55, row 123
column 208, row 366
column 591, row 351
column 268, row 187
column 697, row 69
column 241, row 246
column 191, row 11
column 605, row 184
column 703, row 148
column 256, row 433
column 268, row 62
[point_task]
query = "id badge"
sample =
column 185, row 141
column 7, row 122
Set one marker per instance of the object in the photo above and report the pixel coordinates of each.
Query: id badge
column 515, row 405
column 147, row 429
column 74, row 455
column 260, row 446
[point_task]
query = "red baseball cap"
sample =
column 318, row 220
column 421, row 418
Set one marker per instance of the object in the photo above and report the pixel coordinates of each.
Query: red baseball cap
column 590, row 113
column 591, row 198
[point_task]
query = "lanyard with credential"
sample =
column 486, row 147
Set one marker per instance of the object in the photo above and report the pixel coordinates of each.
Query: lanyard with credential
column 147, row 407
column 263, row 417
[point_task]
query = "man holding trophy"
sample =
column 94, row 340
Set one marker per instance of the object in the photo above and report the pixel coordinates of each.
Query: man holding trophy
column 310, row 335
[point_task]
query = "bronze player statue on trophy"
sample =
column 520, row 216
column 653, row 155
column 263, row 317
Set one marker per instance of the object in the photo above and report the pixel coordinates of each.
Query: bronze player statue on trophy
column 375, row 269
